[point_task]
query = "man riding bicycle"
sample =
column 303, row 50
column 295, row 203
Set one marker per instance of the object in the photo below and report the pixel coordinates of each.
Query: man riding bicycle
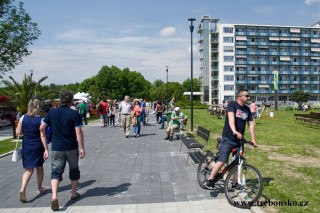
column 237, row 116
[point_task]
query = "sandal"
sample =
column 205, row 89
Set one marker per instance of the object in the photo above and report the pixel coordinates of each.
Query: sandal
column 22, row 197
column 41, row 190
column 55, row 205
column 75, row 197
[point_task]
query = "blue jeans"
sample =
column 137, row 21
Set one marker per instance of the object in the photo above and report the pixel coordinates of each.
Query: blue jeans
column 163, row 119
column 58, row 164
column 136, row 128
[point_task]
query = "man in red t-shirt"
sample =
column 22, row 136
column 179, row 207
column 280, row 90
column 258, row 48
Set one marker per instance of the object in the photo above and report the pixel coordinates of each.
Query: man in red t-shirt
column 103, row 113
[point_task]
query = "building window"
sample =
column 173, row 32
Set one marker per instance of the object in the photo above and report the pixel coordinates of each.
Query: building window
column 228, row 49
column 228, row 30
column 229, row 98
column 228, row 78
column 228, row 39
column 228, row 58
column 228, row 68
column 228, row 88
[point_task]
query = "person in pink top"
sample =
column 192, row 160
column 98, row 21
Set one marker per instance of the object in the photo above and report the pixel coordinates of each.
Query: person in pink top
column 253, row 109
column 137, row 125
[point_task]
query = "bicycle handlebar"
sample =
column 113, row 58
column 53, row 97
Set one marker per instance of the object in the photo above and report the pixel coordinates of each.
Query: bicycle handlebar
column 248, row 142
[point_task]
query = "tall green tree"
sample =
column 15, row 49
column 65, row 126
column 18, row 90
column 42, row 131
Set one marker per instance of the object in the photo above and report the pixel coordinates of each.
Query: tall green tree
column 17, row 32
column 22, row 92
column 195, row 84
column 299, row 96
column 114, row 83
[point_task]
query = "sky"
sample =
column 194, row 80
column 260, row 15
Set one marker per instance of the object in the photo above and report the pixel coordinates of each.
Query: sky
column 78, row 37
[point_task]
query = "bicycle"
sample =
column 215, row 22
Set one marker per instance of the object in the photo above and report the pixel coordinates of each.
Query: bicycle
column 243, row 183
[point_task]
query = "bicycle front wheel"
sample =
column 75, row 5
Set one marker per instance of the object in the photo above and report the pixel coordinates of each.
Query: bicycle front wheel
column 246, row 192
column 205, row 167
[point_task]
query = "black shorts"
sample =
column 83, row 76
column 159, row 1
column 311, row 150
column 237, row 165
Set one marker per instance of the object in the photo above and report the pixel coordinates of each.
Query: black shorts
column 225, row 149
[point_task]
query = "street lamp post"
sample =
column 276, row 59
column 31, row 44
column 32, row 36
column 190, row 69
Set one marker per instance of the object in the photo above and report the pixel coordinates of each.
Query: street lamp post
column 31, row 74
column 167, row 89
column 191, row 84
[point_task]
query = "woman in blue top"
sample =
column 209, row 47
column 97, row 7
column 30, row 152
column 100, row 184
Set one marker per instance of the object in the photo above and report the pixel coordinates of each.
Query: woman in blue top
column 34, row 148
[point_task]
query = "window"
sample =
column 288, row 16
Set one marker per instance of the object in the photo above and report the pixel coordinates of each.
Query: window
column 228, row 49
column 228, row 87
column 228, row 78
column 228, row 68
column 228, row 39
column 228, row 30
column 229, row 98
column 228, row 58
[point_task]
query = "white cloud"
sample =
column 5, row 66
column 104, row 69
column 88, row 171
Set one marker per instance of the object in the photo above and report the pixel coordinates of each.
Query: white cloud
column 81, row 53
column 168, row 31
column 310, row 2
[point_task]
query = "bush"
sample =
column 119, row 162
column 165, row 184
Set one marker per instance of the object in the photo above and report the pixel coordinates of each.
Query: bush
column 316, row 106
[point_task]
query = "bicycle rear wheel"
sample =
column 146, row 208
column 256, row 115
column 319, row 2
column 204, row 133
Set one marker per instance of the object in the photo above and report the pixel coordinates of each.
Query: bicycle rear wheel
column 205, row 167
column 243, row 195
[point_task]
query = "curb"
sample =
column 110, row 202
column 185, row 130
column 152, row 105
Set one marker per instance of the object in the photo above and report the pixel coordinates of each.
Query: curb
column 6, row 154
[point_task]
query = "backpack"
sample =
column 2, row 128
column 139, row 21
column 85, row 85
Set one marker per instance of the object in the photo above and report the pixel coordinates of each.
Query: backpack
column 99, row 108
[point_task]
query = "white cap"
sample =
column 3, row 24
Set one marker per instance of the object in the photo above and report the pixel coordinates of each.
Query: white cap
column 177, row 109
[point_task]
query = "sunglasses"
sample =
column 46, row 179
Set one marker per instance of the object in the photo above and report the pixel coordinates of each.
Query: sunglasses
column 247, row 96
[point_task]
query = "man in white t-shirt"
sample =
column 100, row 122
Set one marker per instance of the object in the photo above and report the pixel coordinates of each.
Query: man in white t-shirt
column 125, row 109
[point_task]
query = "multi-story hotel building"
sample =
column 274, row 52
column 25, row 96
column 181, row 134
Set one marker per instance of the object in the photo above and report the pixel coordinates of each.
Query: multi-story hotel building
column 235, row 56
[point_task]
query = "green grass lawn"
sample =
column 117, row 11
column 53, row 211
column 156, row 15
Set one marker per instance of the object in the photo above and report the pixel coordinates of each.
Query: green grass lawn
column 287, row 156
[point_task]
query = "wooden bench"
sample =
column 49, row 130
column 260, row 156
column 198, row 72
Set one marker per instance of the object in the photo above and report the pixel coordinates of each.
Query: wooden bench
column 313, row 117
column 192, row 143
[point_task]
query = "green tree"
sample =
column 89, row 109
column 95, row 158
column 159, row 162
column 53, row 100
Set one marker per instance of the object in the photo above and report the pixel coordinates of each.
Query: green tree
column 17, row 32
column 86, row 84
column 195, row 84
column 114, row 83
column 299, row 96
column 22, row 92
column 158, row 83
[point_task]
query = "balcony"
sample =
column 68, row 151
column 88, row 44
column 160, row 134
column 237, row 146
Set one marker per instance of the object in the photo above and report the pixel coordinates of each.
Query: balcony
column 315, row 63
column 304, row 82
column 241, row 33
column 273, row 34
column 305, row 45
column 284, row 53
column 284, row 82
column 284, row 34
column 262, row 34
column 314, row 91
column 239, row 52
column 284, row 91
column 304, row 72
column 305, row 35
column 260, row 91
column 305, row 54
column 295, row 72
column 315, row 82
column 295, row 82
column 241, row 72
column 284, row 72
column 241, row 82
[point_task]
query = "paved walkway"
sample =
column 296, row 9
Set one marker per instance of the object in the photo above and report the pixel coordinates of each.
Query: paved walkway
column 118, row 174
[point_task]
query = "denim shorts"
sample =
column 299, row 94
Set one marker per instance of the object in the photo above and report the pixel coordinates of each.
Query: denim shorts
column 225, row 149
column 58, row 164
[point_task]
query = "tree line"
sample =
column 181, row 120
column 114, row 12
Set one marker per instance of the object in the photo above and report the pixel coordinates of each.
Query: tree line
column 109, row 83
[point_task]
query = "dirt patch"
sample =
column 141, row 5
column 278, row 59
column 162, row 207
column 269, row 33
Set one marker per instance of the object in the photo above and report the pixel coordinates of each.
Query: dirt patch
column 297, row 160
column 267, row 148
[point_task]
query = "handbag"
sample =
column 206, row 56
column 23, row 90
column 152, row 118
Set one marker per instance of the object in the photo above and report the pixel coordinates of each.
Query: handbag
column 17, row 152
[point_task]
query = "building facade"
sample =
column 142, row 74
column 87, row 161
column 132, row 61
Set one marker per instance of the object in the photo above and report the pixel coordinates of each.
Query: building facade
column 240, row 56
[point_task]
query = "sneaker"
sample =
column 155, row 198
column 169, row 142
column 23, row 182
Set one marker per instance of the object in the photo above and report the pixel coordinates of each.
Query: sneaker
column 127, row 136
column 171, row 138
column 209, row 184
column 138, row 135
column 167, row 138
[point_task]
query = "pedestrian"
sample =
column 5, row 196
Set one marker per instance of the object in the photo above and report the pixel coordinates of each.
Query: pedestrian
column 238, row 114
column 83, row 111
column 34, row 148
column 125, row 110
column 177, row 119
column 147, row 111
column 67, row 145
column 103, row 113
column 137, row 118
column 159, row 110
column 172, row 104
column 111, row 113
column 253, row 110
